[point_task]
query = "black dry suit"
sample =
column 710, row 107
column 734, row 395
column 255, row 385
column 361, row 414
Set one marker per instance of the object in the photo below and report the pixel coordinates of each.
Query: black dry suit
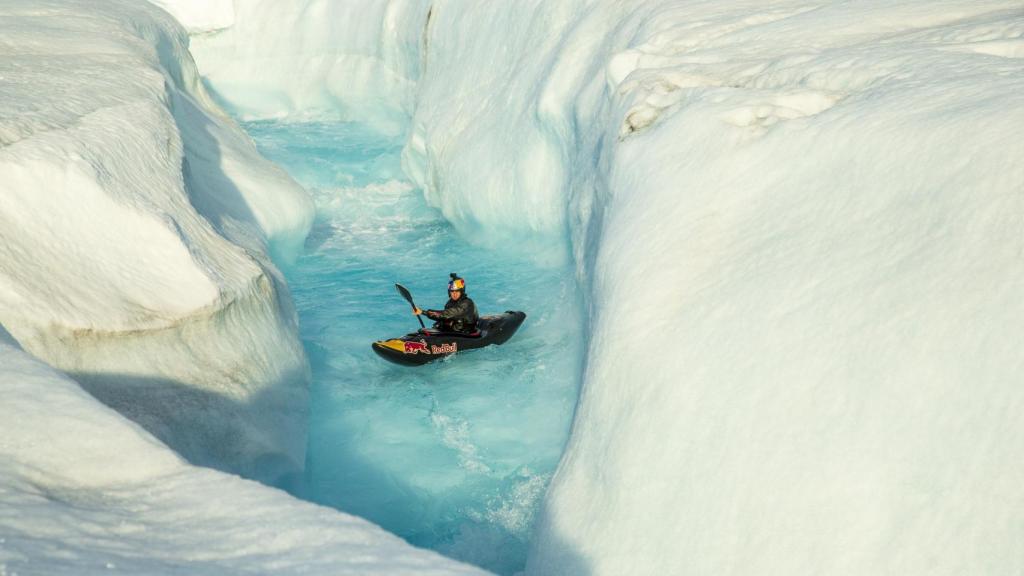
column 458, row 315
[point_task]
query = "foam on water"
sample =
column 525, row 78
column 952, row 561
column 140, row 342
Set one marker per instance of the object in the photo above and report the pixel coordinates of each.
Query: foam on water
column 456, row 455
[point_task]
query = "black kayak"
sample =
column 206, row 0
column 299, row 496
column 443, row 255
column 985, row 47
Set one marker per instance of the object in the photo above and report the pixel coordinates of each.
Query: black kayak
column 427, row 345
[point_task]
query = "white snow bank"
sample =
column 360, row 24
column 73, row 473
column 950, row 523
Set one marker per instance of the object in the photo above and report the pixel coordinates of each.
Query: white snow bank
column 84, row 491
column 803, row 234
column 134, row 231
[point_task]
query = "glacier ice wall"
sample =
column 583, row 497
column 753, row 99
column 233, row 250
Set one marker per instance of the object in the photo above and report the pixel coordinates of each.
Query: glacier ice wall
column 84, row 491
column 340, row 60
column 135, row 230
column 799, row 228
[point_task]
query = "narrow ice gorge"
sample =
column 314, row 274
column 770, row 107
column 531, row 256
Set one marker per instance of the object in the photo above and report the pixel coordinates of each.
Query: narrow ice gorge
column 797, row 225
column 137, row 225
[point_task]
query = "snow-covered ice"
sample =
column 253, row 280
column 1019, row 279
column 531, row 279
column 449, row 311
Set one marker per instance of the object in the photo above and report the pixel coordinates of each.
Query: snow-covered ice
column 814, row 213
column 85, row 491
column 135, row 229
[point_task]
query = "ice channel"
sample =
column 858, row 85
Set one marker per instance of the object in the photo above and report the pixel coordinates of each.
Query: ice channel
column 454, row 456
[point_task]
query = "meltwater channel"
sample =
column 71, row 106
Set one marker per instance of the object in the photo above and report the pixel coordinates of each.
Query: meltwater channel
column 455, row 455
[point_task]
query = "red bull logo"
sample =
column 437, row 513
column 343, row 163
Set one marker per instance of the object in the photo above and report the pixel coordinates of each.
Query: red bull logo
column 417, row 347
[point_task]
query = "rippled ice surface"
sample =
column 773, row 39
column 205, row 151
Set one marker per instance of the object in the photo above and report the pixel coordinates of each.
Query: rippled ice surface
column 453, row 456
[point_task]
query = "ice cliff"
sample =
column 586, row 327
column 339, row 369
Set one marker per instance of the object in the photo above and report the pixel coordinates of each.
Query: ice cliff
column 799, row 228
column 135, row 230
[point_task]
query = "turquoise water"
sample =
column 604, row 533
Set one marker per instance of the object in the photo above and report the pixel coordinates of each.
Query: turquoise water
column 455, row 455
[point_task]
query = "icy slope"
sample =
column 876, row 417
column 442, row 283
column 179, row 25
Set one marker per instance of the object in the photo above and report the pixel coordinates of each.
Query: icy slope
column 805, row 256
column 134, row 235
column 84, row 491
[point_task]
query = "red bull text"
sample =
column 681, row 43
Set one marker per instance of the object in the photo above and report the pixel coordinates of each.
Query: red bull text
column 445, row 348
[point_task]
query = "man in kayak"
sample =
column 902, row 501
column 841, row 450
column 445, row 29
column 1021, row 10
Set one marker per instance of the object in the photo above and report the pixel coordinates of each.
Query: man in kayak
column 459, row 314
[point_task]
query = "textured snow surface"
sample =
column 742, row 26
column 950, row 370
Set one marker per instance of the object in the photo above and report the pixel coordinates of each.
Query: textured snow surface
column 800, row 226
column 135, row 229
column 84, row 491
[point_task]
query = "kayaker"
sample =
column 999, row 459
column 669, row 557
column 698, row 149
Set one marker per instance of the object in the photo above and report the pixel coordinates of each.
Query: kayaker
column 459, row 314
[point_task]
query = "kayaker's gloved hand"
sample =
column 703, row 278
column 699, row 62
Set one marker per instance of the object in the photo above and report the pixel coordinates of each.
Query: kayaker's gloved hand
column 416, row 311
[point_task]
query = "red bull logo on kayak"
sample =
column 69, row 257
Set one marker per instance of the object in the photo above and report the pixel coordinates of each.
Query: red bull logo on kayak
column 417, row 347
column 414, row 347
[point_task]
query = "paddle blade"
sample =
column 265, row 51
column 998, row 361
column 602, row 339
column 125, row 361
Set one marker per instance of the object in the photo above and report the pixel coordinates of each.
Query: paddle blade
column 408, row 298
column 405, row 293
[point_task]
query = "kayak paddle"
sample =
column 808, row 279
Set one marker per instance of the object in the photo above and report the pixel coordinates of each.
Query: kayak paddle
column 408, row 298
